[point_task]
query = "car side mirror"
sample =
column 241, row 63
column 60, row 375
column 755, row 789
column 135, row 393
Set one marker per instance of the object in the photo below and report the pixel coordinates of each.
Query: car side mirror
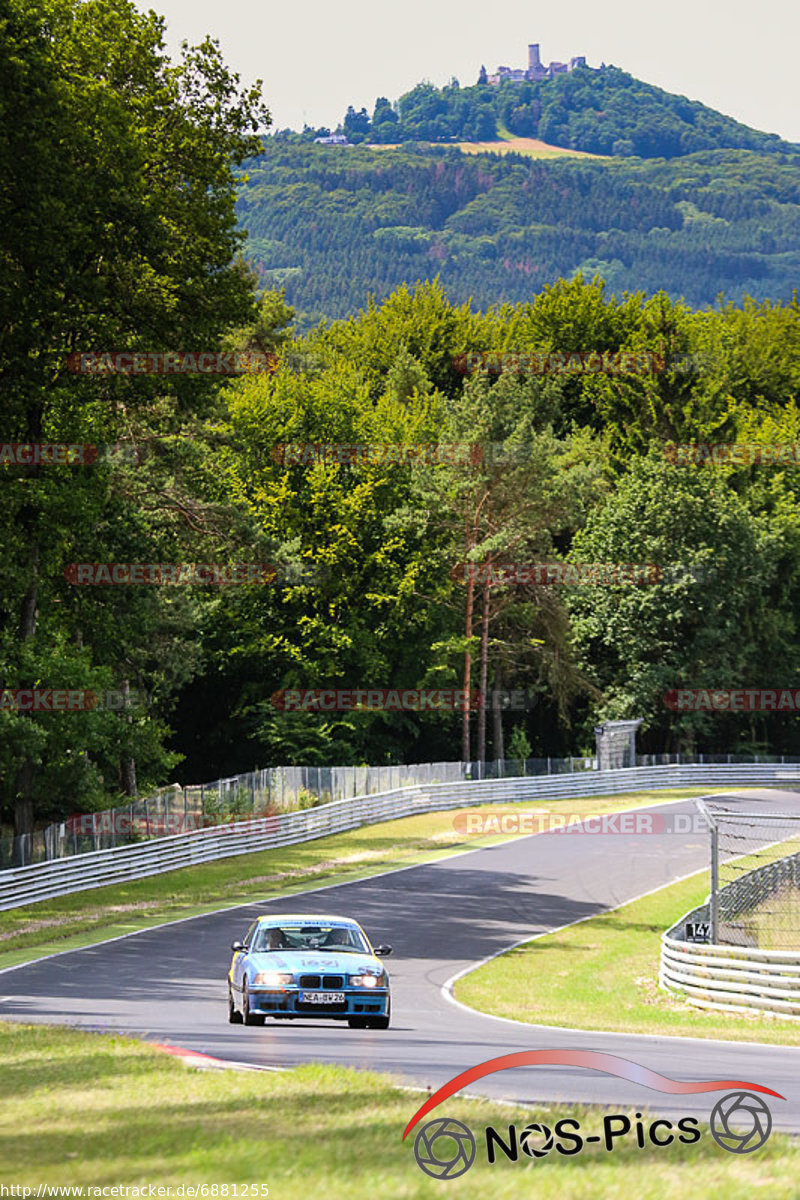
column 238, row 946
column 382, row 951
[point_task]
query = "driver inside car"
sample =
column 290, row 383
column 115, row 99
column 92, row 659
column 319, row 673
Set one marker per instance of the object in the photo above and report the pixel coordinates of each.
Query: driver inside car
column 275, row 940
column 337, row 937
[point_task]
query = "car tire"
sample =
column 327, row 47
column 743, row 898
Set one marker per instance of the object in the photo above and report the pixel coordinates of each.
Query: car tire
column 250, row 1018
column 381, row 1022
column 234, row 1016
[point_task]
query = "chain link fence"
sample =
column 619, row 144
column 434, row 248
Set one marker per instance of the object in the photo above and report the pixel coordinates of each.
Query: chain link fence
column 755, row 877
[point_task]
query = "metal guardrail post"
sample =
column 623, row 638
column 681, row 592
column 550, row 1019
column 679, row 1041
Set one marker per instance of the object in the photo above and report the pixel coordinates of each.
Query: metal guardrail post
column 708, row 817
column 713, row 906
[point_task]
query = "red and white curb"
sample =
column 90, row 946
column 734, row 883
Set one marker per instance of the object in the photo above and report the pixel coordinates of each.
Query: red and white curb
column 207, row 1062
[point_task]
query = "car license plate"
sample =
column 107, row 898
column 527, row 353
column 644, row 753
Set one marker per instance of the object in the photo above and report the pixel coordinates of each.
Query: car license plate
column 322, row 998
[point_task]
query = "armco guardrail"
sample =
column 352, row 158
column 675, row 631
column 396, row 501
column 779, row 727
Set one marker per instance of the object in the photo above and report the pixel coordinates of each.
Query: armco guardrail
column 730, row 978
column 41, row 881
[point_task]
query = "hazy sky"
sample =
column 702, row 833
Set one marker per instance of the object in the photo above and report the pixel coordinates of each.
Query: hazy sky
column 315, row 58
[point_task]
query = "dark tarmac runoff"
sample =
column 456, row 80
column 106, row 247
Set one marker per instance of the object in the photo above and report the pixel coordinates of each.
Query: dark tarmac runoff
column 168, row 984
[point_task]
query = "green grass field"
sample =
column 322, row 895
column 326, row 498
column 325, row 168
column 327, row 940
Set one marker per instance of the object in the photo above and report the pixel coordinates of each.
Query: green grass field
column 603, row 974
column 102, row 1111
column 86, row 917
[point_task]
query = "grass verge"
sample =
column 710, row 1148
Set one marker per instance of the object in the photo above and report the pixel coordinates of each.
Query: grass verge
column 602, row 974
column 82, row 918
column 94, row 1110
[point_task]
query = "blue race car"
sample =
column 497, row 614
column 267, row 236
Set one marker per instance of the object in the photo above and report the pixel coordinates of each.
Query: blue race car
column 292, row 966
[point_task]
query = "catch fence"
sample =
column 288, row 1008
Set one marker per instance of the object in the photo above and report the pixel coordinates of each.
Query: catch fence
column 754, row 898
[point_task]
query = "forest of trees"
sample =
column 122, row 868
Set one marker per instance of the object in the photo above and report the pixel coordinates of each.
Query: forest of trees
column 333, row 225
column 118, row 232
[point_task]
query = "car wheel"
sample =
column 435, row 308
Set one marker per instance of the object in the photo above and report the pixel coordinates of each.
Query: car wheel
column 250, row 1018
column 234, row 1016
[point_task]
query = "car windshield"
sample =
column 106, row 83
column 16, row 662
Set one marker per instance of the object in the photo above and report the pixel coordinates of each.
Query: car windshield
column 343, row 939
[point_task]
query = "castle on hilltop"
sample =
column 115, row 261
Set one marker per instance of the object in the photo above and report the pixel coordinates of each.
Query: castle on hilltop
column 536, row 69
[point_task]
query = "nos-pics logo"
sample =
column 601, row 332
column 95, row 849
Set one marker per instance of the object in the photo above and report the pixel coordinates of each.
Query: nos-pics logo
column 445, row 1148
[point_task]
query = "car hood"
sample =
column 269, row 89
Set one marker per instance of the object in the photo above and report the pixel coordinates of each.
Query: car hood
column 307, row 960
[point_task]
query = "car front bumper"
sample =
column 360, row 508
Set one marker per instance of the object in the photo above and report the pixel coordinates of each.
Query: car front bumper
column 358, row 1002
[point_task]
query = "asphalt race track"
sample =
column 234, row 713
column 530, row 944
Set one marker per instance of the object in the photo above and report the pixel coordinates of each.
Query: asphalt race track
column 168, row 984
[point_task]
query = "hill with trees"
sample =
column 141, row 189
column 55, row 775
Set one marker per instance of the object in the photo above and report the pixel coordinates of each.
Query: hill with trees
column 602, row 111
column 334, row 224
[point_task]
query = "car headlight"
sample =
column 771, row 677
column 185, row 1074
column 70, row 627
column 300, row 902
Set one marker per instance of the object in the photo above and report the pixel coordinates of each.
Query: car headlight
column 369, row 981
column 276, row 979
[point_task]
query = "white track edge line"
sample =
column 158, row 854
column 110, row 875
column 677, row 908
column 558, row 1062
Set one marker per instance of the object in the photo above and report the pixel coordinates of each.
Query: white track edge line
column 446, row 988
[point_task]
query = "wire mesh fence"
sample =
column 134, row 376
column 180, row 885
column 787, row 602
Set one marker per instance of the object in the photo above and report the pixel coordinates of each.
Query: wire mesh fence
column 755, row 877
